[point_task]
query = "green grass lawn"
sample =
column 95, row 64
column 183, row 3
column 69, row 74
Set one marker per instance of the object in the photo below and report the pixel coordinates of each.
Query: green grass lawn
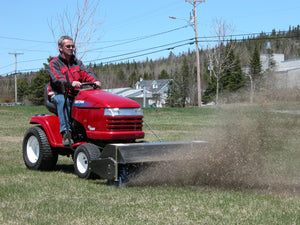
column 250, row 175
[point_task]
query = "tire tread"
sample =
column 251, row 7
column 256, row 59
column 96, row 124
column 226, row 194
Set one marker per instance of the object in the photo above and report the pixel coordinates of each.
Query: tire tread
column 48, row 158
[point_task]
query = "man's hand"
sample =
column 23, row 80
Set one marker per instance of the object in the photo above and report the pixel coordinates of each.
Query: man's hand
column 98, row 83
column 76, row 84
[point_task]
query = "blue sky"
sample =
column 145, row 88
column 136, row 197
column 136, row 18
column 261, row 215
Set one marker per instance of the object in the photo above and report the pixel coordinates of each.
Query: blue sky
column 131, row 26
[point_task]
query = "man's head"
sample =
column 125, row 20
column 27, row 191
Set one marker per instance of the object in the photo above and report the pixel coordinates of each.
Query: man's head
column 66, row 46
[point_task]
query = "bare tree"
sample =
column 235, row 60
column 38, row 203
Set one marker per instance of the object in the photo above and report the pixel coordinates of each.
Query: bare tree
column 219, row 54
column 252, row 87
column 82, row 25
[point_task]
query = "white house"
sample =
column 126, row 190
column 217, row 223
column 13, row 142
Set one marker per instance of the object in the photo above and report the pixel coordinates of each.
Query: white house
column 287, row 72
column 137, row 95
column 158, row 88
column 146, row 92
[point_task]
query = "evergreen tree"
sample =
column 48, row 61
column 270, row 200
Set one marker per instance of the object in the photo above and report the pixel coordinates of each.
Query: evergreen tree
column 133, row 78
column 210, row 92
column 163, row 75
column 36, row 89
column 173, row 94
column 146, row 76
column 22, row 89
column 235, row 78
column 231, row 80
column 255, row 64
column 255, row 72
column 183, row 81
column 121, row 75
column 178, row 88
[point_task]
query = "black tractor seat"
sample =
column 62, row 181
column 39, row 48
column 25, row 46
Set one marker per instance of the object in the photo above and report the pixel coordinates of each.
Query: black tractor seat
column 49, row 105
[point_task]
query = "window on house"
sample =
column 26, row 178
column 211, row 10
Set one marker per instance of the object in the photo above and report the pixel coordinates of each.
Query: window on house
column 154, row 84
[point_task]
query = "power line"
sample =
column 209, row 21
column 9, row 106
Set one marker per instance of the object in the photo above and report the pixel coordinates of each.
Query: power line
column 148, row 53
column 146, row 36
column 203, row 39
column 192, row 41
column 200, row 39
column 28, row 40
column 130, row 53
column 22, row 71
column 138, row 39
column 124, row 41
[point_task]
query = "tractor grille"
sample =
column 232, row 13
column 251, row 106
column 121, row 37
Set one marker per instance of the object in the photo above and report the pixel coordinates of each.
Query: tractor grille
column 124, row 124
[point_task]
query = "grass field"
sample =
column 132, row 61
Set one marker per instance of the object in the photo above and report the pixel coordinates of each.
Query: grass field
column 249, row 175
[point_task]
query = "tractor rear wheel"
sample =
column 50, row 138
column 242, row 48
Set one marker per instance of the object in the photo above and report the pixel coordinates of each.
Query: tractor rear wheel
column 37, row 152
column 84, row 154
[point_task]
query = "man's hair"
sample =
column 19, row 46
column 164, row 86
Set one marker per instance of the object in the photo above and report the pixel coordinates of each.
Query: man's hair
column 62, row 38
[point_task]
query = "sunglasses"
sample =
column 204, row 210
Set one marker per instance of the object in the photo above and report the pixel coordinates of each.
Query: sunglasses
column 69, row 46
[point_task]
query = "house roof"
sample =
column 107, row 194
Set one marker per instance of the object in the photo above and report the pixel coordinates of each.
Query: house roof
column 154, row 86
column 129, row 92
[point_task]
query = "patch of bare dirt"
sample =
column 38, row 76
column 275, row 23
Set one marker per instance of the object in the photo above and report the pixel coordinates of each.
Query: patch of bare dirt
column 10, row 139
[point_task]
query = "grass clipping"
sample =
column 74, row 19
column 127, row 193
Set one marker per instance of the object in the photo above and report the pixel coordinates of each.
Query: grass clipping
column 234, row 159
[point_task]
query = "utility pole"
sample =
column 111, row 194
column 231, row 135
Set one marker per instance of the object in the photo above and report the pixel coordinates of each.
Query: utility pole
column 194, row 2
column 16, row 92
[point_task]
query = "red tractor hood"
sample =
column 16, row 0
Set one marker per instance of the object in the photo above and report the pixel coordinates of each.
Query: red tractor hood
column 95, row 98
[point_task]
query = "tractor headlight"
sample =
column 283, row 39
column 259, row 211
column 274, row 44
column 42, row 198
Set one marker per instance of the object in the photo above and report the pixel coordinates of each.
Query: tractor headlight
column 112, row 112
column 123, row 112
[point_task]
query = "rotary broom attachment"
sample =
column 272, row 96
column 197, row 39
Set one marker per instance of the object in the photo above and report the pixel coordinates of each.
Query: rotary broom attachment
column 119, row 162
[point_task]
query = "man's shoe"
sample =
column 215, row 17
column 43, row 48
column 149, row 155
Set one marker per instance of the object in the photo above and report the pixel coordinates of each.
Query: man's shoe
column 66, row 141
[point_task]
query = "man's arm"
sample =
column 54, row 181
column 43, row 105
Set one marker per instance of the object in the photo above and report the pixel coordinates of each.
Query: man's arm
column 88, row 76
column 58, row 80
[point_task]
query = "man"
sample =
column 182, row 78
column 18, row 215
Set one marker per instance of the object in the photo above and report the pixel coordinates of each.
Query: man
column 77, row 73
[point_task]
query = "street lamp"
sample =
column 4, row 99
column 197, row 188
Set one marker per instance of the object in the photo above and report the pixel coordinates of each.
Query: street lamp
column 193, row 24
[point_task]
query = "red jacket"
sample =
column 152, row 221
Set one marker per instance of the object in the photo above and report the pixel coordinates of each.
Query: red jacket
column 76, row 72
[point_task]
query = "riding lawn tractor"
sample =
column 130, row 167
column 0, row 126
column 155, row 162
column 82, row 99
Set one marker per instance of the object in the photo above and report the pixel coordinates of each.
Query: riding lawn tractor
column 108, row 138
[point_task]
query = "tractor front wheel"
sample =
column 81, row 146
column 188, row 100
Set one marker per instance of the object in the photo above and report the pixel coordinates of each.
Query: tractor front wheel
column 84, row 154
column 37, row 152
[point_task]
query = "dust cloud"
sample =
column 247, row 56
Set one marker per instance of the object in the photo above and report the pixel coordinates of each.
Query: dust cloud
column 236, row 158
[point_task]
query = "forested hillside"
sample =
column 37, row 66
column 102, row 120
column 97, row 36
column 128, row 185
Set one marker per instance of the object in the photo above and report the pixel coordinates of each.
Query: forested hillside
column 181, row 68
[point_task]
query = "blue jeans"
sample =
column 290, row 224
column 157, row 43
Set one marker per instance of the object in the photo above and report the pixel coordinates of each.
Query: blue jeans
column 59, row 101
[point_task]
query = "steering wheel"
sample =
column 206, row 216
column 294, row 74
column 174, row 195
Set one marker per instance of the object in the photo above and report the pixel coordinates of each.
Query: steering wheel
column 90, row 84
